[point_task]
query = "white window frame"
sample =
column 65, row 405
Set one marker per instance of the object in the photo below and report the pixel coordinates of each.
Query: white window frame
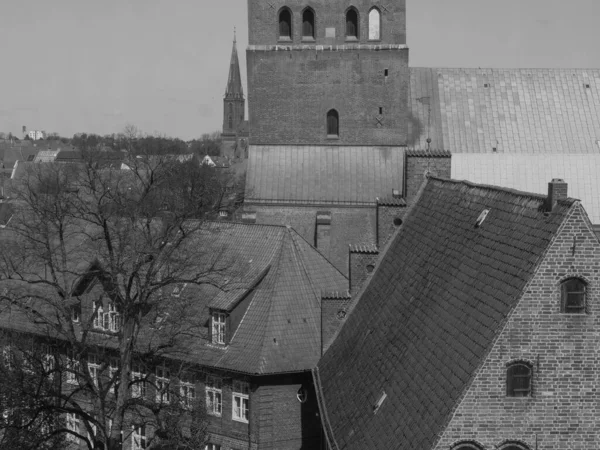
column 138, row 390
column 8, row 356
column 187, row 391
column 94, row 368
column 219, row 320
column 240, row 402
column 98, row 314
column 162, row 381
column 139, row 440
column 109, row 320
column 72, row 423
column 212, row 447
column 73, row 368
column 214, row 396
column 48, row 363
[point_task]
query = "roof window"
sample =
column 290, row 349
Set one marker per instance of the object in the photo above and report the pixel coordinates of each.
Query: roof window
column 481, row 217
column 377, row 405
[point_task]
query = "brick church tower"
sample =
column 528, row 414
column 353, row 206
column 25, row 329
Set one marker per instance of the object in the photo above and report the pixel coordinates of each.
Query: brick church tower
column 327, row 72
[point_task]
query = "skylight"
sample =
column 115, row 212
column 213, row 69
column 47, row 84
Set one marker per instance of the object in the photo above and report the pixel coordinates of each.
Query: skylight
column 481, row 217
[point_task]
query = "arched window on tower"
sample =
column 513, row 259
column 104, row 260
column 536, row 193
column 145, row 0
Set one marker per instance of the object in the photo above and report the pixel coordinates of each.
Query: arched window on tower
column 308, row 24
column 374, row 25
column 285, row 25
column 333, row 123
column 352, row 24
column 230, row 116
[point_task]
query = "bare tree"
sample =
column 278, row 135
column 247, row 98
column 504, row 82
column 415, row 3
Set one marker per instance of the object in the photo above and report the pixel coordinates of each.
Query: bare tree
column 99, row 270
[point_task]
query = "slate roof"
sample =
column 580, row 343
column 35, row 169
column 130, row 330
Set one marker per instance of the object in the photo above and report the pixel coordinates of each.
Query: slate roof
column 428, row 316
column 512, row 110
column 322, row 175
column 532, row 173
column 283, row 276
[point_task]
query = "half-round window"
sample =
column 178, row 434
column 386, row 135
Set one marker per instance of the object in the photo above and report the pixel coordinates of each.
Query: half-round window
column 351, row 24
column 302, row 395
column 374, row 25
column 308, row 24
column 467, row 446
column 518, row 379
column 514, row 446
column 572, row 292
column 333, row 123
column 285, row 24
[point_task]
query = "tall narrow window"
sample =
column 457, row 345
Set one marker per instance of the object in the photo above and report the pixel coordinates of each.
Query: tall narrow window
column 351, row 24
column 214, row 396
column 218, row 328
column 240, row 401
column 93, row 367
column 308, row 24
column 138, row 437
column 573, row 296
column 187, row 390
column 518, row 380
column 162, row 385
column 138, row 381
column 72, row 423
column 285, row 25
column 374, row 25
column 333, row 126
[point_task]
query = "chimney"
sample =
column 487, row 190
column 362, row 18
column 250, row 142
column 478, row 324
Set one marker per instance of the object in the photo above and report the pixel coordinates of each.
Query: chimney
column 557, row 190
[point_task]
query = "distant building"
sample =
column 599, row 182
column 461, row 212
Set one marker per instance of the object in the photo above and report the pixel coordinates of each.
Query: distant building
column 35, row 135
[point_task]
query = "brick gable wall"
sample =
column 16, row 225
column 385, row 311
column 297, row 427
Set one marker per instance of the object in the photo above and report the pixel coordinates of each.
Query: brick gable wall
column 564, row 411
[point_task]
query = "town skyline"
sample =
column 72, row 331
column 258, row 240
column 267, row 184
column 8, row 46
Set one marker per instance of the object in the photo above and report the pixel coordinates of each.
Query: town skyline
column 82, row 67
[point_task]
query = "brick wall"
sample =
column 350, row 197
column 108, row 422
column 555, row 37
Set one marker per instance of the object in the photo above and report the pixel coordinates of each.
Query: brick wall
column 263, row 20
column 285, row 423
column 333, row 315
column 563, row 412
column 291, row 91
column 348, row 226
column 362, row 266
column 418, row 163
column 388, row 220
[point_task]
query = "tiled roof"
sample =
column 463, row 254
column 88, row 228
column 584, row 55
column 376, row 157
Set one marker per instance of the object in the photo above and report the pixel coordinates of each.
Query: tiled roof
column 511, row 110
column 326, row 175
column 430, row 313
column 533, row 172
column 391, row 201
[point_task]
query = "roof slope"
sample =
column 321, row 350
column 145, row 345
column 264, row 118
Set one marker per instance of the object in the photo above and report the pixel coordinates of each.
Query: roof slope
column 320, row 174
column 532, row 172
column 512, row 110
column 428, row 316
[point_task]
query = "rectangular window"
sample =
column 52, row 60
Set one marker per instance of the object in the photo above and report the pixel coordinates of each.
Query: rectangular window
column 218, row 328
column 212, row 447
column 72, row 425
column 240, row 401
column 107, row 320
column 138, row 437
column 73, row 368
column 187, row 391
column 94, row 368
column 98, row 311
column 113, row 368
column 138, row 383
column 162, row 385
column 48, row 362
column 214, row 396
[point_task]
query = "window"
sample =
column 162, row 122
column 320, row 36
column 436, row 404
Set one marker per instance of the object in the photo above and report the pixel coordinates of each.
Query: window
column 302, row 395
column 240, row 401
column 514, row 446
column 374, row 25
column 212, row 447
column 113, row 368
column 73, row 426
column 109, row 320
column 93, row 368
column 467, row 446
column 308, row 24
column 76, row 313
column 332, row 123
column 285, row 25
column 138, row 382
column 351, row 24
column 573, row 296
column 138, row 437
column 187, row 391
column 8, row 357
column 73, row 368
column 162, row 385
column 98, row 320
column 518, row 379
column 218, row 328
column 214, row 396
column 48, row 362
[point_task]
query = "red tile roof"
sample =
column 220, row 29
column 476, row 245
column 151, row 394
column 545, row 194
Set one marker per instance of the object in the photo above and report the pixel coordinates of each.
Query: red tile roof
column 430, row 312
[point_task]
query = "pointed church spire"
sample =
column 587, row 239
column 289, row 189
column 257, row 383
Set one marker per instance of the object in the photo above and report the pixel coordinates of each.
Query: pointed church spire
column 234, row 82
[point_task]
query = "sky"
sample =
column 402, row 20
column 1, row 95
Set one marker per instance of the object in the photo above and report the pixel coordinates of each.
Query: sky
column 72, row 66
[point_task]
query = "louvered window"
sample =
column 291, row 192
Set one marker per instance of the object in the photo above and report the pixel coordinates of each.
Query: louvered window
column 308, row 24
column 518, row 380
column 285, row 24
column 352, row 24
column 573, row 296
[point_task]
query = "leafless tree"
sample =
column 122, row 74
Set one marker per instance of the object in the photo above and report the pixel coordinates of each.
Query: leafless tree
column 99, row 271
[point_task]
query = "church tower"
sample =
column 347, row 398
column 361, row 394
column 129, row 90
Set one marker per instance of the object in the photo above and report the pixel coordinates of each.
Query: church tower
column 233, row 102
column 327, row 72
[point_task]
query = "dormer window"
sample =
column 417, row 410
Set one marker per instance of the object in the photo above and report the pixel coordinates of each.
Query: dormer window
column 573, row 296
column 108, row 319
column 219, row 320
